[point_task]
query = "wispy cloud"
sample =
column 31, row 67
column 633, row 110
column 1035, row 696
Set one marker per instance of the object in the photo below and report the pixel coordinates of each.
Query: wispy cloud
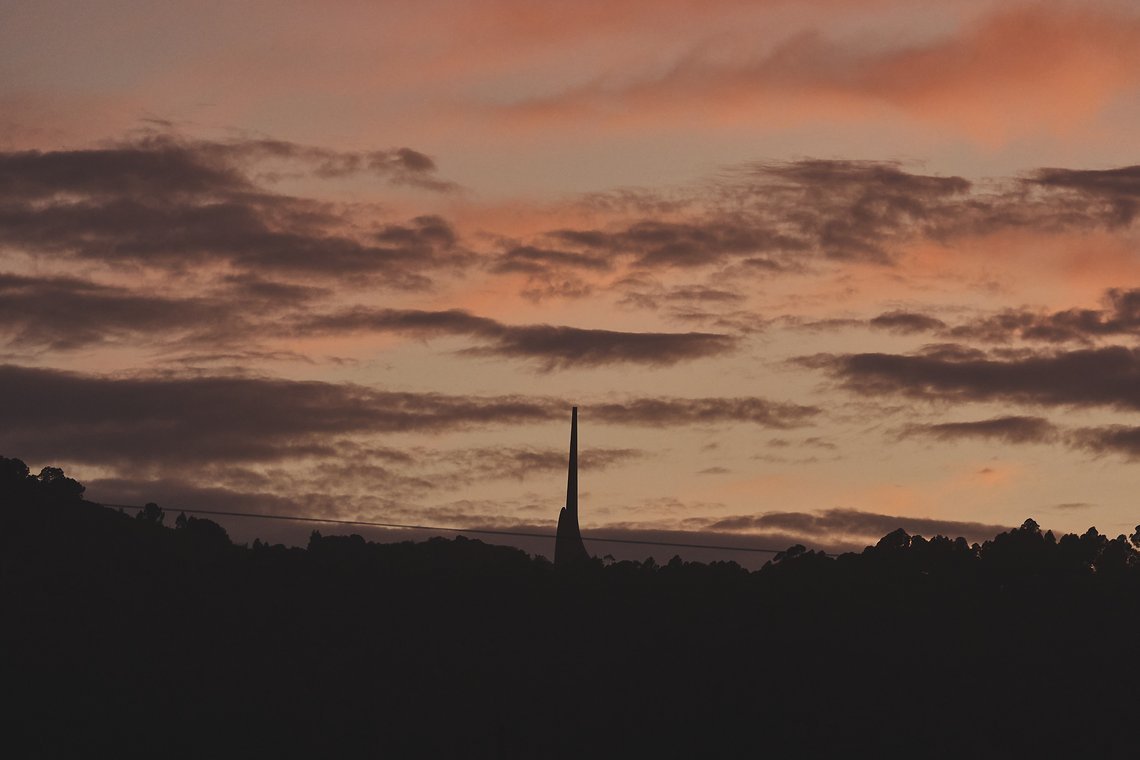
column 1008, row 429
column 555, row 347
column 986, row 79
column 850, row 525
column 1108, row 377
column 195, row 420
column 171, row 204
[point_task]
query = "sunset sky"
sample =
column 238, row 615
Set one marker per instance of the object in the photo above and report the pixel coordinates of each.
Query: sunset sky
column 811, row 271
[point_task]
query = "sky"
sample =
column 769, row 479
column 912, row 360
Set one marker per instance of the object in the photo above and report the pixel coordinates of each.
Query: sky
column 812, row 271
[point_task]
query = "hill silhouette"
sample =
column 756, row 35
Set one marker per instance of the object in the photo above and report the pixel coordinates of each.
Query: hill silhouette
column 143, row 634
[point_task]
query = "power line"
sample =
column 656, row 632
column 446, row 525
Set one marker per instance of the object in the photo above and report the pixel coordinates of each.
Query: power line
column 482, row 531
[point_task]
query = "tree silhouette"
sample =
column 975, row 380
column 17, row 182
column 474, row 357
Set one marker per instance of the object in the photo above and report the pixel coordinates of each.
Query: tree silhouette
column 151, row 513
column 202, row 531
column 13, row 472
column 60, row 485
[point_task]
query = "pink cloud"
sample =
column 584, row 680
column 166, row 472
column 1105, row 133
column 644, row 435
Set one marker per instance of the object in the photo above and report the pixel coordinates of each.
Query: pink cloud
column 1031, row 70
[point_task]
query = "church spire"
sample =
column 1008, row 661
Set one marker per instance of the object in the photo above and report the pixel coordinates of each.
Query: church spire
column 572, row 471
column 568, row 546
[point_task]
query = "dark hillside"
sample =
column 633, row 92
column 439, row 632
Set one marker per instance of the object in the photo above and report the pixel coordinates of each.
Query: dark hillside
column 156, row 635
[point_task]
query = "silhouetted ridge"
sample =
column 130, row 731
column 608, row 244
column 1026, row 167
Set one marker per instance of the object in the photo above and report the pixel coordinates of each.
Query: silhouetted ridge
column 135, row 631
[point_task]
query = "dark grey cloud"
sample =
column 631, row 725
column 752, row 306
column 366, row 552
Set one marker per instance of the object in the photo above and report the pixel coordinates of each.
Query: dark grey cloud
column 237, row 360
column 1108, row 376
column 424, row 469
column 666, row 411
column 855, row 209
column 878, row 183
column 770, row 217
column 184, row 421
column 191, row 420
column 173, row 203
column 550, row 272
column 655, row 244
column 169, row 203
column 1009, row 429
column 176, row 493
column 1012, row 323
column 740, row 321
column 683, row 300
column 907, row 322
column 556, row 347
column 1110, row 439
column 151, row 169
column 1120, row 316
column 675, row 541
column 811, row 442
column 672, row 244
column 767, row 218
column 1118, row 188
column 530, row 260
column 566, row 347
column 464, row 466
column 401, row 166
column 544, row 286
column 251, row 290
column 821, row 325
column 363, row 476
column 413, row 321
column 715, row 306
column 1122, row 440
column 952, row 352
column 62, row 313
column 166, row 165
column 248, row 234
column 851, row 524
column 702, row 293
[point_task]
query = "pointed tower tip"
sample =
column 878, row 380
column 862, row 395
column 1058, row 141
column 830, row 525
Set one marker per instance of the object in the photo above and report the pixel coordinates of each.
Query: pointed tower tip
column 568, row 548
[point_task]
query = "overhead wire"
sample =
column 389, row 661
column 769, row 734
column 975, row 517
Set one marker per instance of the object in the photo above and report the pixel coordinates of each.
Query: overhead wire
column 479, row 531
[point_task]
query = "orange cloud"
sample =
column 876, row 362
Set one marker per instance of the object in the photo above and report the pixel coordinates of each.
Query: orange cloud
column 1056, row 270
column 1032, row 70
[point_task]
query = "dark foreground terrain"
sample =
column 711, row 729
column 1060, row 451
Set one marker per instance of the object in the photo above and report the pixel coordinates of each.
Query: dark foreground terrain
column 156, row 636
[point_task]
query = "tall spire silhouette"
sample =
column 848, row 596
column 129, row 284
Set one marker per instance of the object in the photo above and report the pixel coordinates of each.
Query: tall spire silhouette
column 568, row 546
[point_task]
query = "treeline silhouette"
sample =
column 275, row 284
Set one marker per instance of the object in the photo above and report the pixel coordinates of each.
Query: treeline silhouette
column 147, row 635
